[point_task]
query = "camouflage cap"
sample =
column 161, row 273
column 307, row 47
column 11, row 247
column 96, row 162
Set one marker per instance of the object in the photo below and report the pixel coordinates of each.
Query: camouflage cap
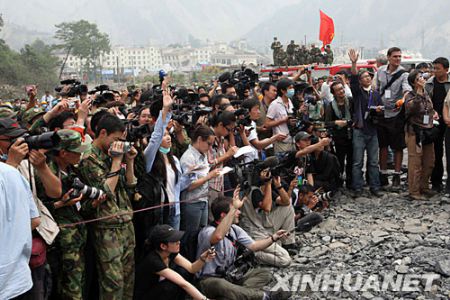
column 31, row 114
column 71, row 141
column 7, row 112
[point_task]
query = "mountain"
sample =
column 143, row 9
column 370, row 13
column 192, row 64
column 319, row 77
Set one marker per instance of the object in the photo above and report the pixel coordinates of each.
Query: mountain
column 144, row 21
column 416, row 25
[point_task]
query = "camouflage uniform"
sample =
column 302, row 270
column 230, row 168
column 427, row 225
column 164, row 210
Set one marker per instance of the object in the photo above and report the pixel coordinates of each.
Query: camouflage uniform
column 315, row 55
column 291, row 49
column 330, row 56
column 114, row 239
column 277, row 48
column 70, row 242
column 301, row 55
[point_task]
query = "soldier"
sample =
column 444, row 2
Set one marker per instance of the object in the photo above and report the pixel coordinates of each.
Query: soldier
column 282, row 58
column 114, row 239
column 329, row 55
column 301, row 55
column 276, row 47
column 291, row 49
column 69, row 270
column 314, row 54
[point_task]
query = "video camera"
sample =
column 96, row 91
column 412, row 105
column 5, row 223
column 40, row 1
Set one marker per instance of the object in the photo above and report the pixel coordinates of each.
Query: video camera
column 136, row 132
column 242, row 79
column 104, row 95
column 243, row 117
column 249, row 173
column 75, row 88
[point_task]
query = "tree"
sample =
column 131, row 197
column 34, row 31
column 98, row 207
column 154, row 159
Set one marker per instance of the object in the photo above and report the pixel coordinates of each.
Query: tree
column 83, row 40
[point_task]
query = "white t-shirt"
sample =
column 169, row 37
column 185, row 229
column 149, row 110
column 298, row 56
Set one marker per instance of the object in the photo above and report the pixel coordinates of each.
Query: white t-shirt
column 170, row 185
column 253, row 135
column 278, row 110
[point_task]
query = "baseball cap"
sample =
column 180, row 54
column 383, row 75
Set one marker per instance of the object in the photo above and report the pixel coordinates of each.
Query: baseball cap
column 302, row 135
column 31, row 114
column 10, row 127
column 7, row 112
column 165, row 233
column 70, row 140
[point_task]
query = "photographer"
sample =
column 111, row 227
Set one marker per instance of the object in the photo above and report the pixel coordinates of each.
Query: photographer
column 114, row 240
column 194, row 214
column 268, row 210
column 68, row 251
column 339, row 119
column 278, row 115
column 419, row 136
column 161, row 273
column 225, row 236
column 14, row 151
column 253, row 107
column 367, row 106
column 269, row 92
column 222, row 149
column 162, row 164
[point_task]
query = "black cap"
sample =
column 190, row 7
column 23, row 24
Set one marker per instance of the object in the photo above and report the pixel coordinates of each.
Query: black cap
column 301, row 136
column 164, row 234
column 10, row 127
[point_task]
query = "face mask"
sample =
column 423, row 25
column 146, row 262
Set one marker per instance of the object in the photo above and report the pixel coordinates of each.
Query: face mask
column 290, row 93
column 164, row 150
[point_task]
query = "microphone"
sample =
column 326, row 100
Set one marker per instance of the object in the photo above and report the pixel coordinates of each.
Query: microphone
column 306, row 223
column 270, row 162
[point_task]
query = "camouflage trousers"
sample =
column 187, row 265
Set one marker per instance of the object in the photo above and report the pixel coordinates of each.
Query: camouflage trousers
column 114, row 248
column 71, row 243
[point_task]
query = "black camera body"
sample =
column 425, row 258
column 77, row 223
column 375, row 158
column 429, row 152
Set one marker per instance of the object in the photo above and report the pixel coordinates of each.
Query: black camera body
column 76, row 88
column 47, row 140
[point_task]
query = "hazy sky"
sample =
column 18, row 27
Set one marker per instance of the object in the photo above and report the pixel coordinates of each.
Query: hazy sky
column 417, row 25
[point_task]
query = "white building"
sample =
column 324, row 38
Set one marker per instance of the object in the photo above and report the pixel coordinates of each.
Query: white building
column 121, row 58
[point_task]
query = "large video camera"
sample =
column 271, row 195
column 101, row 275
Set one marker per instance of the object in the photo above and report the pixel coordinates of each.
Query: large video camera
column 104, row 95
column 75, row 88
column 136, row 132
column 242, row 79
column 243, row 117
column 249, row 173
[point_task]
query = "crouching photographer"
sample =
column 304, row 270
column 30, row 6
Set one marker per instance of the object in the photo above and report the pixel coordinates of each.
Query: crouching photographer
column 268, row 210
column 227, row 276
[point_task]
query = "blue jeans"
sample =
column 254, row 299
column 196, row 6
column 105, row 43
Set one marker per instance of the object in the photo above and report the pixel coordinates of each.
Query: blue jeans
column 361, row 143
column 194, row 215
column 174, row 221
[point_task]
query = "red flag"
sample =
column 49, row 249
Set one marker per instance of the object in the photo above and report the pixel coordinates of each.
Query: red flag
column 326, row 29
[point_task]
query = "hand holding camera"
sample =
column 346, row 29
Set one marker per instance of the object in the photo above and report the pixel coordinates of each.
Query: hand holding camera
column 68, row 199
column 17, row 152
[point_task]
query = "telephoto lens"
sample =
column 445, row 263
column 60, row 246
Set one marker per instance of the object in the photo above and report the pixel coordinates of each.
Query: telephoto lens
column 87, row 191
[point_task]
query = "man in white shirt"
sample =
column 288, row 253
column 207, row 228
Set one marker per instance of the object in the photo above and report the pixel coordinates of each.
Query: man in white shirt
column 18, row 217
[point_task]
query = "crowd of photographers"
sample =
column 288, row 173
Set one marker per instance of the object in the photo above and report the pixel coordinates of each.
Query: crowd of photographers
column 110, row 178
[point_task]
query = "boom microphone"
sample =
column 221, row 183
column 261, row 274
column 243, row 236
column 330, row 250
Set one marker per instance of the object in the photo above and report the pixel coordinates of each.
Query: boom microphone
column 270, row 162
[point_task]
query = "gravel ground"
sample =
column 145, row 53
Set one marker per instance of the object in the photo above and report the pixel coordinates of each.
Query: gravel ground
column 388, row 236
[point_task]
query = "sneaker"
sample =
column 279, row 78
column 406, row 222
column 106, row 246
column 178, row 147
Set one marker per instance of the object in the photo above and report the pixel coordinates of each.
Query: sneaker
column 384, row 179
column 376, row 193
column 396, row 180
column 278, row 295
column 356, row 193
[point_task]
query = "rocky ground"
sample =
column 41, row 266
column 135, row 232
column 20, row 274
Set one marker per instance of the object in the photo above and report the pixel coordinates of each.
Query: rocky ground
column 378, row 236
